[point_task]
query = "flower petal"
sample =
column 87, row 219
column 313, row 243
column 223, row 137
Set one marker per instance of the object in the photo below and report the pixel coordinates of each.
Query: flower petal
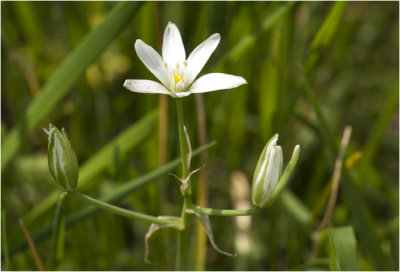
column 200, row 56
column 181, row 94
column 216, row 81
column 145, row 86
column 152, row 60
column 173, row 51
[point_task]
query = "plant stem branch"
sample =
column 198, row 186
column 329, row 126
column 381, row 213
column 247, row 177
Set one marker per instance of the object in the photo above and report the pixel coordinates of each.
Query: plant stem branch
column 123, row 212
column 334, row 189
column 182, row 139
column 182, row 241
column 335, row 179
column 224, row 212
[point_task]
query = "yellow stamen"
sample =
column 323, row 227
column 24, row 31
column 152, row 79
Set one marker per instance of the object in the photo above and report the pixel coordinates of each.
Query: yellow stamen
column 177, row 78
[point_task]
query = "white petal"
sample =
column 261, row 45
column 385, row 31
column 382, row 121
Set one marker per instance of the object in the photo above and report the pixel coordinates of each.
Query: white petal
column 173, row 51
column 216, row 81
column 152, row 60
column 145, row 86
column 181, row 94
column 200, row 56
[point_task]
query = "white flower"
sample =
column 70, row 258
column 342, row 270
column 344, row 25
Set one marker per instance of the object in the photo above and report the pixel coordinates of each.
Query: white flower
column 269, row 181
column 175, row 72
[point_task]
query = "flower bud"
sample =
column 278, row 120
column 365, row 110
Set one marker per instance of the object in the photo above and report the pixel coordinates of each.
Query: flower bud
column 63, row 164
column 268, row 180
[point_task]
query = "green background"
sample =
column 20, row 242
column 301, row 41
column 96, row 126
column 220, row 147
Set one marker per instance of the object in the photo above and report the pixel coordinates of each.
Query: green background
column 312, row 68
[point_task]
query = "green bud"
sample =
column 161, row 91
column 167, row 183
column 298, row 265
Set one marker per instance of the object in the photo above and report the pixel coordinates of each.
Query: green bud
column 63, row 164
column 268, row 180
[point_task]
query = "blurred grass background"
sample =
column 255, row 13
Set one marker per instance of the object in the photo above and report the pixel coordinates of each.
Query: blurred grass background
column 312, row 68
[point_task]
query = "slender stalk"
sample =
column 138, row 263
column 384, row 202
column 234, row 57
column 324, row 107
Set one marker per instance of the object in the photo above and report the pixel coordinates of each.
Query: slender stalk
column 223, row 212
column 162, row 244
column 182, row 139
column 36, row 257
column 183, row 235
column 123, row 212
column 56, row 228
column 200, row 234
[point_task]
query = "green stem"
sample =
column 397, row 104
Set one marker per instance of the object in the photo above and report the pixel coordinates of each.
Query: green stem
column 182, row 140
column 123, row 212
column 56, row 228
column 223, row 212
column 183, row 235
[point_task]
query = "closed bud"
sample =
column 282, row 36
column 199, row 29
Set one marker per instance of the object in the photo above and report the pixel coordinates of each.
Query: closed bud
column 268, row 180
column 63, row 164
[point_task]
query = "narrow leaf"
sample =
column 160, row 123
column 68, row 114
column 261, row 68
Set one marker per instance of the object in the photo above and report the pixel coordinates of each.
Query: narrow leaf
column 296, row 207
column 66, row 75
column 58, row 229
column 205, row 221
column 326, row 33
column 344, row 244
column 381, row 124
column 249, row 40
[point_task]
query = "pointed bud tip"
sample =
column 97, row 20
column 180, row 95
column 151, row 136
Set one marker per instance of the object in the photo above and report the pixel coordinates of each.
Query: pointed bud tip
column 51, row 129
column 274, row 139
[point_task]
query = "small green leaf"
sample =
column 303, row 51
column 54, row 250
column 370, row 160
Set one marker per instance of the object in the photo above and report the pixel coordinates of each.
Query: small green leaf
column 326, row 33
column 343, row 248
column 205, row 222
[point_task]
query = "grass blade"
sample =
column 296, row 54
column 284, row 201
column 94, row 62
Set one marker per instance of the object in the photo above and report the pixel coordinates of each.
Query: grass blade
column 344, row 248
column 297, row 209
column 245, row 44
column 325, row 33
column 58, row 231
column 66, row 75
column 364, row 223
column 381, row 124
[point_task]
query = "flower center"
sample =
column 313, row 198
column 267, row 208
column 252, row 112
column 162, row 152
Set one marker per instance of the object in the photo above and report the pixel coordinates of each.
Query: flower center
column 178, row 78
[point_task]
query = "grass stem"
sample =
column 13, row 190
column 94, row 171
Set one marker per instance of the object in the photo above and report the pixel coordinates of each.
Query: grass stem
column 121, row 211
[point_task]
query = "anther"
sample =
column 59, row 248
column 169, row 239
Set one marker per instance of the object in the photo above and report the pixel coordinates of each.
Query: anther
column 185, row 63
column 165, row 65
column 177, row 65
